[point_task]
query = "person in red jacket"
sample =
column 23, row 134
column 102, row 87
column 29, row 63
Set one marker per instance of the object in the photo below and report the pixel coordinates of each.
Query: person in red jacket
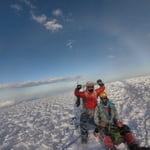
column 89, row 98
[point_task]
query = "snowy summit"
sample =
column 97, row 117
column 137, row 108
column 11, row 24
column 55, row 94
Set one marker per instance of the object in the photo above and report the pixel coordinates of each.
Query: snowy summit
column 48, row 124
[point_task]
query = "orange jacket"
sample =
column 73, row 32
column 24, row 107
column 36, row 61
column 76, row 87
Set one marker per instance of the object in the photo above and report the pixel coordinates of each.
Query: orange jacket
column 89, row 98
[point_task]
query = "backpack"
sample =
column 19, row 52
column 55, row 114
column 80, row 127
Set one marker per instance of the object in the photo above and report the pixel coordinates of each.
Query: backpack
column 115, row 135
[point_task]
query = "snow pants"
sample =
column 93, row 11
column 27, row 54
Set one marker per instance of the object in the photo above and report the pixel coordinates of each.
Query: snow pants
column 87, row 122
column 124, row 131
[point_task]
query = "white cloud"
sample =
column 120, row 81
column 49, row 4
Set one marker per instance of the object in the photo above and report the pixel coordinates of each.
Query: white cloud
column 16, row 7
column 38, row 82
column 40, row 19
column 53, row 25
column 57, row 12
column 70, row 43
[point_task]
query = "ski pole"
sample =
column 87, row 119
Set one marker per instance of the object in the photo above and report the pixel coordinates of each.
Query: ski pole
column 72, row 142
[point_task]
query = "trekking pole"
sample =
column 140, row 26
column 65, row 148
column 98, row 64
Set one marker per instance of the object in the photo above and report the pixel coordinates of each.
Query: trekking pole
column 69, row 144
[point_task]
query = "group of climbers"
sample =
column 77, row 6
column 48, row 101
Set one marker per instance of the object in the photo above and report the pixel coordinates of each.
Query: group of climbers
column 103, row 116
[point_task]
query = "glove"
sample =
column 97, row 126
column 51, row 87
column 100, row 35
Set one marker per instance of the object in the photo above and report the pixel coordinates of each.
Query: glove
column 78, row 102
column 79, row 86
column 115, row 121
column 119, row 124
column 100, row 82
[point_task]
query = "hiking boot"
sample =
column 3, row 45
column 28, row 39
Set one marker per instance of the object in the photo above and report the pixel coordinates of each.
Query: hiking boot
column 112, row 148
column 134, row 146
column 96, row 132
column 108, row 142
column 137, row 147
column 143, row 148
column 84, row 136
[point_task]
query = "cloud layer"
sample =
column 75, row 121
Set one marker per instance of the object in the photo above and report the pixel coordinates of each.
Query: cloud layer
column 38, row 82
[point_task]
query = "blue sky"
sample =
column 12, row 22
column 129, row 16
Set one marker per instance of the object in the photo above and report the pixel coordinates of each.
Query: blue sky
column 77, row 39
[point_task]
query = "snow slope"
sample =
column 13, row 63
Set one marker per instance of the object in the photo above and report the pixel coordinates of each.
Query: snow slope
column 47, row 124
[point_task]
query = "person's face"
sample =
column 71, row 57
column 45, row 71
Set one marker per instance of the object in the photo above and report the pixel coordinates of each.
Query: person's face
column 104, row 100
column 90, row 88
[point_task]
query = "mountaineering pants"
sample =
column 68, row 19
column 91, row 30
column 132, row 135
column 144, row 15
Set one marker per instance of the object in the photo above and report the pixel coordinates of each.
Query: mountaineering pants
column 124, row 131
column 86, row 122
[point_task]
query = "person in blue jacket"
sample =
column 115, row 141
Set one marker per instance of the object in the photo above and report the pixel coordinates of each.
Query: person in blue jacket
column 106, row 118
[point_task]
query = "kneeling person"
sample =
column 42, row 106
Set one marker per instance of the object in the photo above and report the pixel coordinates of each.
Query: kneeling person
column 106, row 118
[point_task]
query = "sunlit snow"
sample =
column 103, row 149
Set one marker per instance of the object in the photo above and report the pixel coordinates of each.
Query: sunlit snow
column 48, row 124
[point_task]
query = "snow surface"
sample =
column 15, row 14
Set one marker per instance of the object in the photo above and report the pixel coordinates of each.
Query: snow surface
column 47, row 124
